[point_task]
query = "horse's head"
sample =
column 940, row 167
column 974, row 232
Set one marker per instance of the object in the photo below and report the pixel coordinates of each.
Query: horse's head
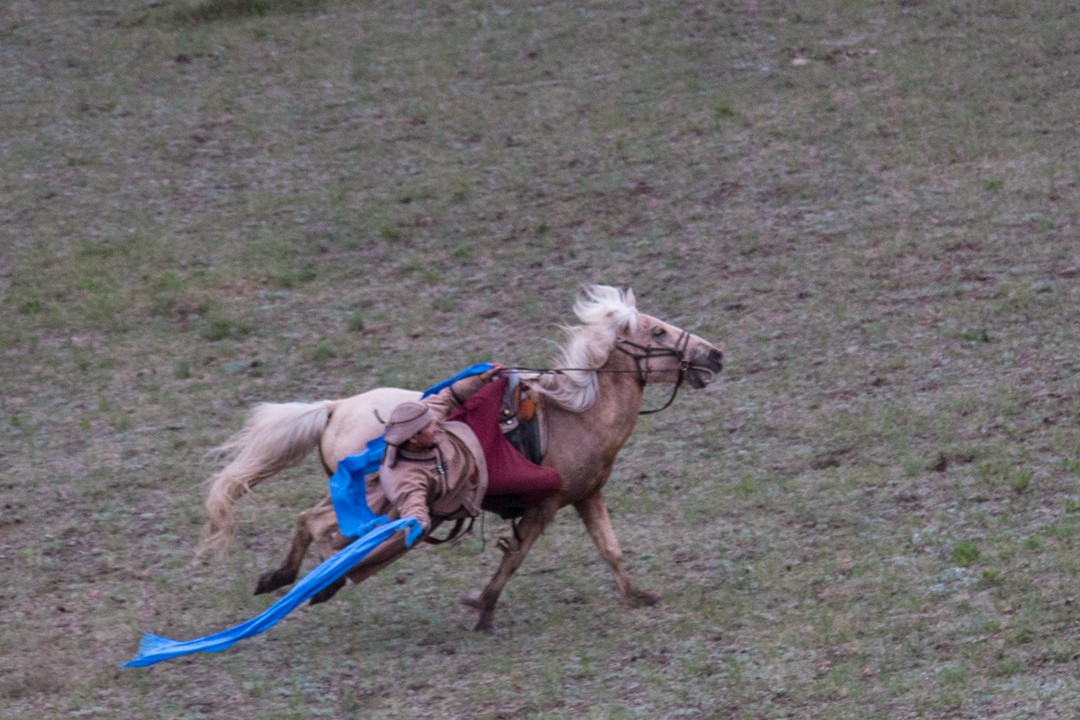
column 663, row 352
column 612, row 326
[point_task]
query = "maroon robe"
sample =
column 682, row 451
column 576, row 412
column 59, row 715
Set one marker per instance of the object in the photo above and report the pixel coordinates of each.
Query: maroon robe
column 509, row 472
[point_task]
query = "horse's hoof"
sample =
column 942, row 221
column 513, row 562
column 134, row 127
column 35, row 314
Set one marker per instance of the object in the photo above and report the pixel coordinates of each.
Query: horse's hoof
column 271, row 580
column 637, row 598
column 328, row 592
column 484, row 624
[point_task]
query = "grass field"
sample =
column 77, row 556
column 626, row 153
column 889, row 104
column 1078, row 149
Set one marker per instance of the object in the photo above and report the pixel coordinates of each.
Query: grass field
column 873, row 208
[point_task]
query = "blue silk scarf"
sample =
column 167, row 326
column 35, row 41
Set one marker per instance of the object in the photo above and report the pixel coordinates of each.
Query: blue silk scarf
column 354, row 517
column 153, row 649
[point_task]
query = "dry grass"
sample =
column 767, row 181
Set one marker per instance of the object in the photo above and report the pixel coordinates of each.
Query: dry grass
column 874, row 207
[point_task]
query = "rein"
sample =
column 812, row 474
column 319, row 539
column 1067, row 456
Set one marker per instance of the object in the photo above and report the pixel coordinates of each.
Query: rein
column 647, row 352
column 643, row 355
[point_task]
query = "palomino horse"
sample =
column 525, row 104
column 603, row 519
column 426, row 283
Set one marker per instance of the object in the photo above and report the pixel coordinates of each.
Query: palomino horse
column 590, row 413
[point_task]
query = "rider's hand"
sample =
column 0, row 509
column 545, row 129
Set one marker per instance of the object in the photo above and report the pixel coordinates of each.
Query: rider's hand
column 496, row 370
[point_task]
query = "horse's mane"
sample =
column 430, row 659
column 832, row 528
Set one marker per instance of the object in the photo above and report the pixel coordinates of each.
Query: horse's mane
column 604, row 311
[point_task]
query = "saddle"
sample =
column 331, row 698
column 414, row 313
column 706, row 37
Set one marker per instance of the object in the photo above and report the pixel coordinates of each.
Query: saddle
column 521, row 419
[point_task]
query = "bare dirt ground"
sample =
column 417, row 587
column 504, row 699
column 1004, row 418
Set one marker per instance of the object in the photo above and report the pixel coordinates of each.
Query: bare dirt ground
column 873, row 207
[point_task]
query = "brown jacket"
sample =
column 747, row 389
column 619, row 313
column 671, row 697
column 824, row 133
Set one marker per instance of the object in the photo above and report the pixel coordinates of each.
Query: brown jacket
column 447, row 481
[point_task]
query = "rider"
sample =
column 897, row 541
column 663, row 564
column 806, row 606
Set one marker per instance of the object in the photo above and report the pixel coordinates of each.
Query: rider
column 431, row 470
column 434, row 469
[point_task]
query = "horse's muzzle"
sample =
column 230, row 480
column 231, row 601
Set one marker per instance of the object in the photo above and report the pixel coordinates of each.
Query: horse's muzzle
column 703, row 366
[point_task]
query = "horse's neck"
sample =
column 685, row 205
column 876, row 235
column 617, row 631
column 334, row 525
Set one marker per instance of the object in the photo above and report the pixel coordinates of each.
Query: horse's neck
column 583, row 445
column 618, row 399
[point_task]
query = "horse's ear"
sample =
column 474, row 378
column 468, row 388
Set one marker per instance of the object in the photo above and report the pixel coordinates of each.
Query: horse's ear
column 630, row 297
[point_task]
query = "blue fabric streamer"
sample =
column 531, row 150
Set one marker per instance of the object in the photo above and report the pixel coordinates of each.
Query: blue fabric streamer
column 347, row 490
column 476, row 369
column 348, row 493
column 355, row 518
column 153, row 649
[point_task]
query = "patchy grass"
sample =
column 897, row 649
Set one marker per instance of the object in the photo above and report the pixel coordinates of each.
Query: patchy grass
column 872, row 206
column 215, row 10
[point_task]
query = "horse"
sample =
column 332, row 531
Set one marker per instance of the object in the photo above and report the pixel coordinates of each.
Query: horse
column 591, row 407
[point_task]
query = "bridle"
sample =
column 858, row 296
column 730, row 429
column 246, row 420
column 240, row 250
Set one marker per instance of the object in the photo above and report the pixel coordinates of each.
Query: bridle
column 642, row 354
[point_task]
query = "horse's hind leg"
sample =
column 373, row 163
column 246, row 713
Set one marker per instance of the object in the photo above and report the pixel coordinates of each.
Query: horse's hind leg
column 319, row 525
column 328, row 592
column 594, row 514
column 329, row 541
column 532, row 524
column 286, row 574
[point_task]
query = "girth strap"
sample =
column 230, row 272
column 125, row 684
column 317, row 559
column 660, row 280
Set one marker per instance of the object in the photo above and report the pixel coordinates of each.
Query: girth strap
column 458, row 529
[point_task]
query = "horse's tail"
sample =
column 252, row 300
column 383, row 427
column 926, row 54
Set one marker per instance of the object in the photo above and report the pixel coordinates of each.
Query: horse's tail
column 275, row 437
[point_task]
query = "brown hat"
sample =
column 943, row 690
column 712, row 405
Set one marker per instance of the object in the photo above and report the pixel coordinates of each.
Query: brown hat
column 406, row 420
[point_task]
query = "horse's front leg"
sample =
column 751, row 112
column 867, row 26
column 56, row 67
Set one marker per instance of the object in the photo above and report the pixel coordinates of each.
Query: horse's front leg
column 529, row 528
column 594, row 514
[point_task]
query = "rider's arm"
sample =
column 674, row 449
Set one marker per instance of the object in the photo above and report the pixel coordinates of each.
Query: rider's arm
column 412, row 498
column 450, row 399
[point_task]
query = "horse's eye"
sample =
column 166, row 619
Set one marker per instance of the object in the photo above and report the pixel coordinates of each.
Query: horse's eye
column 658, row 332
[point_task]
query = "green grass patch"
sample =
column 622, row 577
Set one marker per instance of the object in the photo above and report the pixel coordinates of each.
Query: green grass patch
column 214, row 10
column 216, row 329
column 1019, row 480
column 323, row 351
column 964, row 553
